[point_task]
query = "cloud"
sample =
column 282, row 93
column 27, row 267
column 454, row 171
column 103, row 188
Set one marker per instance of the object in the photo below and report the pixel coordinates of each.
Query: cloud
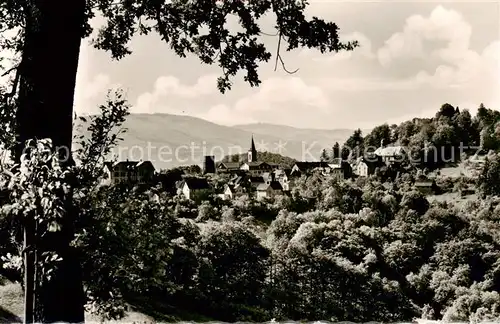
column 441, row 40
column 364, row 49
column 275, row 93
column 369, row 84
column 277, row 100
column 459, row 67
column 170, row 86
column 90, row 93
column 442, row 24
column 96, row 86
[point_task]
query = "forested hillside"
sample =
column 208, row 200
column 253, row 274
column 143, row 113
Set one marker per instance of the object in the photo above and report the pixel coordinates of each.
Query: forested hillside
column 268, row 157
column 451, row 131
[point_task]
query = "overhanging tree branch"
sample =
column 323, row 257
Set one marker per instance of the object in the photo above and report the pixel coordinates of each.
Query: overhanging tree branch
column 279, row 58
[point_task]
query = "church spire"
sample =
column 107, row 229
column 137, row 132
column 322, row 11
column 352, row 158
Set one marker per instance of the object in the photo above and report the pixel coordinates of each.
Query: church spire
column 252, row 153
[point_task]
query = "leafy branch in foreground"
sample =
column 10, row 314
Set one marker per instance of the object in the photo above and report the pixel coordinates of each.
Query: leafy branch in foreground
column 42, row 191
column 95, row 142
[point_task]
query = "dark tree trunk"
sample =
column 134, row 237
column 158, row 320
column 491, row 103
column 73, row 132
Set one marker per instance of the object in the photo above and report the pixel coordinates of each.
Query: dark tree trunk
column 48, row 70
column 47, row 83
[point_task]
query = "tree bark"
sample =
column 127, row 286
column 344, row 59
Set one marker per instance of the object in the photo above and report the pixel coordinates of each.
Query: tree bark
column 54, row 29
column 29, row 272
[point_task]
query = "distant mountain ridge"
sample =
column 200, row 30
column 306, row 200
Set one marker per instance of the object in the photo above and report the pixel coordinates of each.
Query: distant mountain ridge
column 173, row 140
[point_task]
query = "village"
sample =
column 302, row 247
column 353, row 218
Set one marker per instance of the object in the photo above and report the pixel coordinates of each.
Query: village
column 261, row 180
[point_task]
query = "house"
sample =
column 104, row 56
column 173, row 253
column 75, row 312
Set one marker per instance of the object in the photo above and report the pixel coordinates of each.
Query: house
column 283, row 177
column 274, row 166
column 179, row 185
column 336, row 172
column 228, row 193
column 269, row 189
column 256, row 168
column 195, row 188
column 391, row 154
column 300, row 168
column 254, row 182
column 228, row 167
column 246, row 183
column 339, row 169
column 364, row 167
column 134, row 172
column 426, row 186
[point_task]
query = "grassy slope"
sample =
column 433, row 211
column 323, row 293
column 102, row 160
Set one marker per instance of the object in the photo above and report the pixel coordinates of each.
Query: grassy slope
column 11, row 310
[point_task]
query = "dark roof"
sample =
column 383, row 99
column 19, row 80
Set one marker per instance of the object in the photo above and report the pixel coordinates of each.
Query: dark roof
column 229, row 165
column 276, row 185
column 310, row 165
column 128, row 164
column 273, row 184
column 238, row 179
column 197, row 183
column 256, row 179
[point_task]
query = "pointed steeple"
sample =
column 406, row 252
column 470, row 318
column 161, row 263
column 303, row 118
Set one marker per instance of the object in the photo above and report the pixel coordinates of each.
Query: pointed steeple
column 252, row 153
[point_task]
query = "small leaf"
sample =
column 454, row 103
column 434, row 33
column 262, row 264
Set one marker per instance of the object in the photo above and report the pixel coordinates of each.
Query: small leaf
column 54, row 227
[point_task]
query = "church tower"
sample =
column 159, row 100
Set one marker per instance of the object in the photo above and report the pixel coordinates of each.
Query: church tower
column 252, row 153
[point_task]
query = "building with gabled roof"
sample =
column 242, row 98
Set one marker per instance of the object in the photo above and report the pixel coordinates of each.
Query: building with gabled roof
column 132, row 172
column 269, row 189
column 391, row 154
column 195, row 188
column 366, row 166
column 283, row 177
column 256, row 168
column 228, row 167
column 300, row 168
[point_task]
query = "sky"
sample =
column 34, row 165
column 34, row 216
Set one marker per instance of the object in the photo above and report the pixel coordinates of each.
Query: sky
column 413, row 57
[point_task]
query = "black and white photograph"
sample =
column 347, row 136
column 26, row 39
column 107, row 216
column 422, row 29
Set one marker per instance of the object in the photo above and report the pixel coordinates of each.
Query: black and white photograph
column 250, row 161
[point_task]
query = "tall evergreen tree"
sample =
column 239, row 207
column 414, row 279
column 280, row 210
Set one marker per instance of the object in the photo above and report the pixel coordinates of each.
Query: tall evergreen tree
column 336, row 150
column 324, row 156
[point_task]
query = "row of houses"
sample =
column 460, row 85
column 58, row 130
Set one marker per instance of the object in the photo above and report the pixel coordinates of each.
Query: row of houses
column 268, row 185
column 261, row 179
